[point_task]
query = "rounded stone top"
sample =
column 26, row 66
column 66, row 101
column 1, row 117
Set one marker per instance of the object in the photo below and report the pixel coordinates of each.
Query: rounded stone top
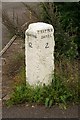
column 39, row 27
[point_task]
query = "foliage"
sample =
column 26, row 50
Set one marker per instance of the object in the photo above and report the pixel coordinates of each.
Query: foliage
column 55, row 93
column 65, row 43
column 69, row 19
column 49, row 13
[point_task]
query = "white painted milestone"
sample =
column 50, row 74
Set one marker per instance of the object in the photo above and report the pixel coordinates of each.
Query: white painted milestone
column 39, row 53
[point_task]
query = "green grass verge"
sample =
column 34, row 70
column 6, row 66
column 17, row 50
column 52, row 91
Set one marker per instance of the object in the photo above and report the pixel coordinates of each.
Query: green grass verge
column 55, row 93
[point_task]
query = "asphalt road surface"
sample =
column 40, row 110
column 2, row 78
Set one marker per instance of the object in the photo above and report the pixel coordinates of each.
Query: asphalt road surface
column 21, row 16
column 38, row 111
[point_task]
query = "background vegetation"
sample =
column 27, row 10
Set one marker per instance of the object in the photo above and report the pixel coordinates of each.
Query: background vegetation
column 65, row 19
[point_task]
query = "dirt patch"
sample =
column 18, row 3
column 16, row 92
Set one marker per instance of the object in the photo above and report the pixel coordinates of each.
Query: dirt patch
column 11, row 64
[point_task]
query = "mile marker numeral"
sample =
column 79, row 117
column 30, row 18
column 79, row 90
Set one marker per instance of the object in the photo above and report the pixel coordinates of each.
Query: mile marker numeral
column 47, row 45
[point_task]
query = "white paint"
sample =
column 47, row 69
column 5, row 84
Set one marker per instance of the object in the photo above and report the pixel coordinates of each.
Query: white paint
column 39, row 49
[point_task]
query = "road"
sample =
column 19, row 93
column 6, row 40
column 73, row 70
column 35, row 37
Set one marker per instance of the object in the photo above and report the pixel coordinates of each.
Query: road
column 18, row 14
column 19, row 10
column 34, row 111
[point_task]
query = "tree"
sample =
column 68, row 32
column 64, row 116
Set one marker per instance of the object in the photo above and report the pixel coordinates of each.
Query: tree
column 70, row 21
column 65, row 45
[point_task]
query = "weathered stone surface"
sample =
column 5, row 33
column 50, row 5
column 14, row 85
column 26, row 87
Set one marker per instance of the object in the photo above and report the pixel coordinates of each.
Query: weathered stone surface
column 39, row 49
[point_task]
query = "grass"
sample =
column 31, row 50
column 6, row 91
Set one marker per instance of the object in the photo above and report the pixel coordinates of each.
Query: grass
column 63, row 89
column 55, row 93
column 68, row 69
